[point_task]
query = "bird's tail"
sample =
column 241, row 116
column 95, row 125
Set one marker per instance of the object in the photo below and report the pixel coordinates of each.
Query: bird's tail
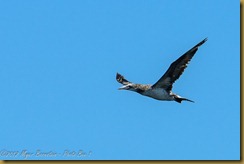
column 179, row 99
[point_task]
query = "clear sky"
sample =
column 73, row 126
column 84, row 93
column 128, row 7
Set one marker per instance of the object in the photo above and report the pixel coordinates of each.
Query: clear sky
column 59, row 98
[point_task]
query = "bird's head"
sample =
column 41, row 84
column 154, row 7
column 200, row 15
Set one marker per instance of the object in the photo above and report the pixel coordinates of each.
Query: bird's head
column 130, row 87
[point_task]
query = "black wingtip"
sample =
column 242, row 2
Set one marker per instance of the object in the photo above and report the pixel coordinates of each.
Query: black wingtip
column 204, row 40
column 118, row 76
column 199, row 44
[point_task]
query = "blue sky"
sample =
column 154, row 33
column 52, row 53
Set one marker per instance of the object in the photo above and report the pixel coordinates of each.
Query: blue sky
column 58, row 93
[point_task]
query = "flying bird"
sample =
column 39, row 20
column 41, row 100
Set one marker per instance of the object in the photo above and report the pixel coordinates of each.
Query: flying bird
column 162, row 89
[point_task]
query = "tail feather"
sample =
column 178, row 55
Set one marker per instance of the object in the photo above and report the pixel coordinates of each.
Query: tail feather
column 179, row 99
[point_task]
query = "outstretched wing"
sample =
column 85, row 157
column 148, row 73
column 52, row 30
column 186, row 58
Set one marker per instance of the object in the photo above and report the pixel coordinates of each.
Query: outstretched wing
column 121, row 79
column 176, row 69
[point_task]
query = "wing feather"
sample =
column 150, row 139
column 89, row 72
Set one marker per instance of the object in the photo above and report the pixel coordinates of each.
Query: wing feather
column 121, row 79
column 176, row 69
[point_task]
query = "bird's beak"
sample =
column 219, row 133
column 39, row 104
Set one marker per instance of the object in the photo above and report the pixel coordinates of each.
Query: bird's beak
column 124, row 87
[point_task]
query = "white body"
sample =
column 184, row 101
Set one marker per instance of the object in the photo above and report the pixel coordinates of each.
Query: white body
column 159, row 94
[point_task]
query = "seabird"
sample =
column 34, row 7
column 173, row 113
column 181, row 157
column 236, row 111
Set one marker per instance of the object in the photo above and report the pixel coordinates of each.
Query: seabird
column 162, row 89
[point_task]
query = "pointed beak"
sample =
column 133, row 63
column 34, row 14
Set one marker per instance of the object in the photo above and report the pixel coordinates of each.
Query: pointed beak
column 124, row 87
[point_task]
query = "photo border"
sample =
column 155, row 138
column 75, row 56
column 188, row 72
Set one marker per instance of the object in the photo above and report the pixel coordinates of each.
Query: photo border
column 163, row 161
